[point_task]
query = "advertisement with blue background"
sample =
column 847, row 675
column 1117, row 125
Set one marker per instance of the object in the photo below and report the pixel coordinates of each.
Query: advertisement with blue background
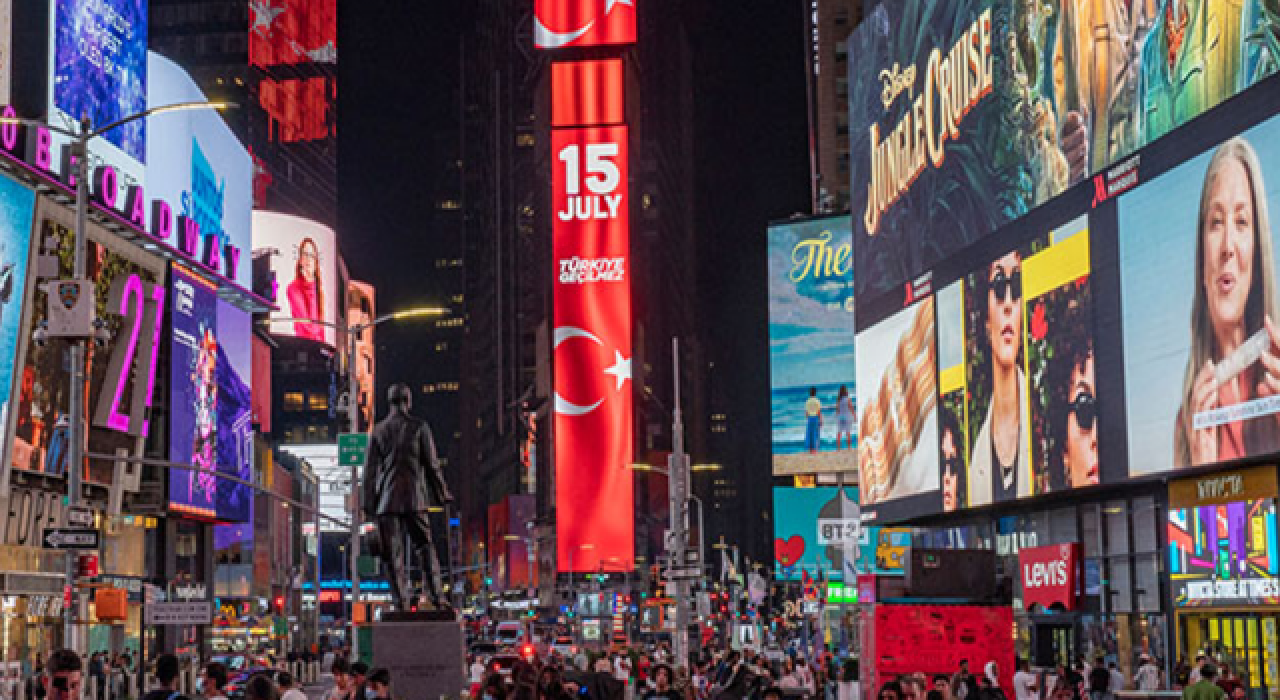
column 17, row 207
column 98, row 69
column 235, row 416
column 811, row 346
column 819, row 531
column 197, row 164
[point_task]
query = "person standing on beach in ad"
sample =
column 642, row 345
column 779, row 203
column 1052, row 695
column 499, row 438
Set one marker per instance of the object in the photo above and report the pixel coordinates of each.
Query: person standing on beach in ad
column 844, row 418
column 813, row 422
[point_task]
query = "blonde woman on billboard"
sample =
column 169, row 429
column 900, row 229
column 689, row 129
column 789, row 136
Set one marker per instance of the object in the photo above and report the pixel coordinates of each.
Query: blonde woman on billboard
column 998, row 466
column 306, row 292
column 1235, row 343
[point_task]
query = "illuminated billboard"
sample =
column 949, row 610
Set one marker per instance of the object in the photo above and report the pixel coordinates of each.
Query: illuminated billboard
column 819, row 531
column 561, row 24
column 898, row 429
column 1198, row 279
column 811, row 347
column 975, row 112
column 1017, row 389
column 288, row 32
column 130, row 293
column 361, row 309
column 303, row 259
column 198, row 165
column 6, row 51
column 98, row 69
column 17, row 211
column 592, row 347
column 1224, row 554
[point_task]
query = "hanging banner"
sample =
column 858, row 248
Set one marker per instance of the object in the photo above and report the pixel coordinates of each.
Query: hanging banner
column 592, row 348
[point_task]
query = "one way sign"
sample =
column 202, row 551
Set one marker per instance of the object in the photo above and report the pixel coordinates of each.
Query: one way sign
column 71, row 538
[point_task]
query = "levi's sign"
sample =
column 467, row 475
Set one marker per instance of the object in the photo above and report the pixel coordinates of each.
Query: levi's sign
column 1049, row 575
column 155, row 218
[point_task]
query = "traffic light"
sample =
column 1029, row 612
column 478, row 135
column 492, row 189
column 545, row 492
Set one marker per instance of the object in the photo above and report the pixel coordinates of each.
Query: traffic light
column 280, row 604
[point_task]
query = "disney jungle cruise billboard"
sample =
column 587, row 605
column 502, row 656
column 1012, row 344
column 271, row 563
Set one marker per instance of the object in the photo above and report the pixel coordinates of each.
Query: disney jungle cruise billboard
column 974, row 112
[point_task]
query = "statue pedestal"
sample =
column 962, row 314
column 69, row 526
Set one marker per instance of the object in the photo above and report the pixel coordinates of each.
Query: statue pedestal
column 424, row 651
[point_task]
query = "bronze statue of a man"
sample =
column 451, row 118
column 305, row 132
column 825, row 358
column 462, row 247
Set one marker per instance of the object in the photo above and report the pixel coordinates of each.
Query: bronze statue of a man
column 402, row 480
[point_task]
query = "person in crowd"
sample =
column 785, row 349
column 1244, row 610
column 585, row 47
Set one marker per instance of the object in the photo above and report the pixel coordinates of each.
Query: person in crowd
column 807, row 680
column 787, row 678
column 359, row 670
column 494, row 688
column 342, row 687
column 990, row 688
column 1206, row 688
column 1024, row 682
column 289, row 689
column 998, row 461
column 663, row 685
column 98, row 673
column 550, row 684
column 683, row 684
column 379, row 684
column 1228, row 681
column 260, row 687
column 1195, row 677
column 64, row 677
column 848, row 687
column 1147, row 679
column 963, row 682
column 215, row 681
column 891, row 690
column 1235, row 344
column 1100, row 680
column 167, row 671
column 1117, row 678
column 912, row 687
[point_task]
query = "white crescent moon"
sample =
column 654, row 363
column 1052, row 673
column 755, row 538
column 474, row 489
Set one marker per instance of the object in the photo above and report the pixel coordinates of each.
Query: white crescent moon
column 563, row 405
column 544, row 38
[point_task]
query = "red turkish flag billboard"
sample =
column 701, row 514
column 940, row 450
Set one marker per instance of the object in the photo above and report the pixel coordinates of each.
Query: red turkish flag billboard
column 559, row 24
column 592, row 349
column 1049, row 575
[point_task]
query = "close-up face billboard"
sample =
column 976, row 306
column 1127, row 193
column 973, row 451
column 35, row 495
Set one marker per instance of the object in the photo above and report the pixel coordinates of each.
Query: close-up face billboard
column 1198, row 280
column 811, row 347
column 974, row 112
column 361, row 309
column 303, row 258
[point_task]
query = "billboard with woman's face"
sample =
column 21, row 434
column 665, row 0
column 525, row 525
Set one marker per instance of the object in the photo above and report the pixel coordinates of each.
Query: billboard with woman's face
column 1198, row 275
column 303, row 257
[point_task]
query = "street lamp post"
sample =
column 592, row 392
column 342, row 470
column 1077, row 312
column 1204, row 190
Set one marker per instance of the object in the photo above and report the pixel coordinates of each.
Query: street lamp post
column 352, row 333
column 76, row 434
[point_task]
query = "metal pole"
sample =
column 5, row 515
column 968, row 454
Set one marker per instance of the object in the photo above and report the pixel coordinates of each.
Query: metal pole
column 75, row 431
column 356, row 516
column 677, row 485
column 315, row 639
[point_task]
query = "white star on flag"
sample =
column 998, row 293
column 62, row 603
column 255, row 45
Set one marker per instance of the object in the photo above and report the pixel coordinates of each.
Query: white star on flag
column 608, row 5
column 621, row 369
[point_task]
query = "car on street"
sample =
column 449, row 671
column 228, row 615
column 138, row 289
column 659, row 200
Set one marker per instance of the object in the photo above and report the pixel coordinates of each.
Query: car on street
column 483, row 650
column 564, row 646
column 502, row 664
column 510, row 634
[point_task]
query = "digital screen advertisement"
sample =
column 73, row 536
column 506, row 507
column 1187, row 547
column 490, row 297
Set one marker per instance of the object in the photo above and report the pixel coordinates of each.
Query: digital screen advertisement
column 975, row 112
column 816, row 531
column 1017, row 386
column 303, row 257
column 897, row 367
column 17, row 211
column 1198, row 275
column 811, row 347
column 362, row 308
column 130, row 294
column 98, row 69
column 559, row 24
column 287, row 32
column 209, row 403
column 197, row 164
column 1224, row 554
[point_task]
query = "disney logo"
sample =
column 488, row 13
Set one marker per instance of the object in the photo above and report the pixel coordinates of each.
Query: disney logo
column 895, row 80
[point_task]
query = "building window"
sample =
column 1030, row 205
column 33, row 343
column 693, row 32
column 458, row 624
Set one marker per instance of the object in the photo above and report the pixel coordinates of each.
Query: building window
column 294, row 401
column 317, row 402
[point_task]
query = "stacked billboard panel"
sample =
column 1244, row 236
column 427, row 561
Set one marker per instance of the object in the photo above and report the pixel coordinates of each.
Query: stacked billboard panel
column 811, row 349
column 1051, row 294
column 591, row 247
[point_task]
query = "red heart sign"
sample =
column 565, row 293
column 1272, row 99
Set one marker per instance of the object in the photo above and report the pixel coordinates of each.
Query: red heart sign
column 789, row 551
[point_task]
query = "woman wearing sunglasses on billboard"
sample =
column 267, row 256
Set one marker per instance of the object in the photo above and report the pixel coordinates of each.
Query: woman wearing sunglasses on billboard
column 1235, row 343
column 1074, row 404
column 998, row 462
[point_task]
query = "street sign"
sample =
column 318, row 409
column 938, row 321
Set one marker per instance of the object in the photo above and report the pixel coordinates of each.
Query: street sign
column 352, row 448
column 71, row 538
column 198, row 612
column 79, row 516
column 682, row 574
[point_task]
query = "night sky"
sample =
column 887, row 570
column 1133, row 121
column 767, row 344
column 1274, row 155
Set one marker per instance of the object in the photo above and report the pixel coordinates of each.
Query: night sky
column 398, row 73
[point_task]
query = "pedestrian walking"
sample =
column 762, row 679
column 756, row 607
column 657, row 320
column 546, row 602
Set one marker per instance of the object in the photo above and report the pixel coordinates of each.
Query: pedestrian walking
column 379, row 684
column 215, row 681
column 1206, row 687
column 1024, row 682
column 1100, row 680
column 260, row 687
column 1117, row 679
column 990, row 688
column 167, row 671
column 289, row 689
column 1147, row 679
